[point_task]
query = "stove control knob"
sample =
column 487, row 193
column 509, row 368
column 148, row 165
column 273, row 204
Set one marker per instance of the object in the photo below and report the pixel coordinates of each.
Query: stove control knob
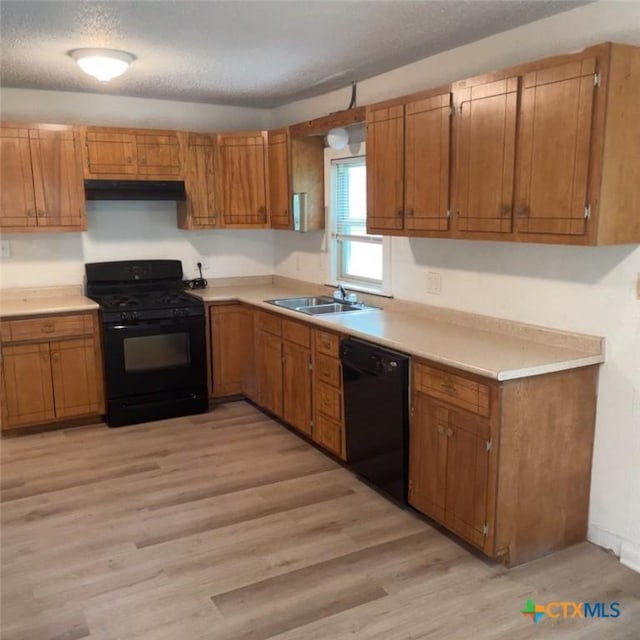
column 134, row 315
column 124, row 316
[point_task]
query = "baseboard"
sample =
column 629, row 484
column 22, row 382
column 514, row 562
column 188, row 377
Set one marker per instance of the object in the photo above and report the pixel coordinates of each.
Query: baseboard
column 630, row 556
column 627, row 552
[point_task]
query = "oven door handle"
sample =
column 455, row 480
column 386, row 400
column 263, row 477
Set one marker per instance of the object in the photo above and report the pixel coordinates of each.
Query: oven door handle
column 173, row 323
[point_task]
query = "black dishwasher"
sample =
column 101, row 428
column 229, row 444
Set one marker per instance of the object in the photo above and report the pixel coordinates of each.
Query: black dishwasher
column 376, row 403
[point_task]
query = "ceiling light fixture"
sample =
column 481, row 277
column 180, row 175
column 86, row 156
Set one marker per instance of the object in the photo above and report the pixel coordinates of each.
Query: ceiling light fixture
column 338, row 138
column 103, row 64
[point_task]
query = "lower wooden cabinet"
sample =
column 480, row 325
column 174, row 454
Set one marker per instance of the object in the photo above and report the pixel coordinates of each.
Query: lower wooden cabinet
column 505, row 465
column 328, row 424
column 44, row 380
column 296, row 376
column 269, row 371
column 231, row 341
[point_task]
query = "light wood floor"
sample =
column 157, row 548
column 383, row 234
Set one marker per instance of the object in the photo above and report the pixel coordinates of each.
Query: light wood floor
column 227, row 526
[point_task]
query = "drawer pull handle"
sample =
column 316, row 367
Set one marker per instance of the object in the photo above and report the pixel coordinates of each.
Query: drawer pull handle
column 49, row 327
column 441, row 429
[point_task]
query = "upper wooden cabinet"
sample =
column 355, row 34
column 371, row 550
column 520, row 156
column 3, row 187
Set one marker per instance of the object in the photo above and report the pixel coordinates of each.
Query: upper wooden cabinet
column 42, row 187
column 140, row 154
column 542, row 152
column 408, row 157
column 296, row 166
column 200, row 210
column 485, row 156
column 242, row 179
column 279, row 184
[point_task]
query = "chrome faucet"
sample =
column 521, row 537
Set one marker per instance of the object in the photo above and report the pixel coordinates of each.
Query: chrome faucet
column 343, row 292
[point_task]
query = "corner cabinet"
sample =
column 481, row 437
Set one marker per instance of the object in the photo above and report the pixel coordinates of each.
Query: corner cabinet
column 504, row 465
column 51, row 369
column 41, row 179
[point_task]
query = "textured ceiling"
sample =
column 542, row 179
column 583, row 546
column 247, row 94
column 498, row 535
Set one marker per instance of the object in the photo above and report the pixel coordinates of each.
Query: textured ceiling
column 250, row 53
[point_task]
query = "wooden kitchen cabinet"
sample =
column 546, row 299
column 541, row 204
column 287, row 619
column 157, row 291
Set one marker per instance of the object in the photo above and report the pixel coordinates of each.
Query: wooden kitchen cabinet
column 42, row 185
column 505, row 465
column 269, row 372
column 297, row 380
column 279, row 185
column 328, row 423
column 133, row 154
column 485, row 156
column 242, row 179
column 408, row 158
column 51, row 369
column 200, row 210
column 231, row 354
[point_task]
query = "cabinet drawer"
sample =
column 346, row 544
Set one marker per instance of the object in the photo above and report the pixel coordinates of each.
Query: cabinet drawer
column 327, row 343
column 329, row 435
column 47, row 327
column 328, row 370
column 296, row 332
column 329, row 401
column 462, row 392
column 269, row 323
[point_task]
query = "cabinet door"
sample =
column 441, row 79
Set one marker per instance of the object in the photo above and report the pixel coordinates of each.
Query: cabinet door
column 279, row 191
column 110, row 153
column 426, row 182
column 385, row 169
column 296, row 382
column 76, row 378
column 243, row 180
column 467, row 475
column 485, row 158
column 28, row 388
column 428, row 457
column 17, row 199
column 201, row 203
column 158, row 155
column 269, row 371
column 230, row 341
column 57, row 177
column 552, row 168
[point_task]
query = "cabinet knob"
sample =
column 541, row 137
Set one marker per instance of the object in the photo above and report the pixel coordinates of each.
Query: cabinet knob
column 505, row 210
column 398, row 213
column 409, row 212
column 45, row 357
column 261, row 210
column 441, row 429
column 142, row 161
column 55, row 356
column 449, row 432
column 129, row 160
column 31, row 213
column 41, row 213
column 522, row 212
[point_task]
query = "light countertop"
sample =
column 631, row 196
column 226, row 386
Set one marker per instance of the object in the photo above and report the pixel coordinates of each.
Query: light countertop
column 499, row 352
column 43, row 300
column 492, row 354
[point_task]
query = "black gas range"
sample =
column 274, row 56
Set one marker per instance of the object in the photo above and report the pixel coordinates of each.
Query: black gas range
column 154, row 342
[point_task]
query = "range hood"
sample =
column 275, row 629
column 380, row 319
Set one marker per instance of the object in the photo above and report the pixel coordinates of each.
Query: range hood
column 172, row 190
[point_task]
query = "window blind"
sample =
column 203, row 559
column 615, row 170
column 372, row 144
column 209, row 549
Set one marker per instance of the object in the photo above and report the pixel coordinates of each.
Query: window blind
column 351, row 198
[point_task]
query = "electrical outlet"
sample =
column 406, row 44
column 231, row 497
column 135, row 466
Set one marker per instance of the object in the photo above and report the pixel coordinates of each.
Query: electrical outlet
column 434, row 282
column 5, row 249
column 204, row 262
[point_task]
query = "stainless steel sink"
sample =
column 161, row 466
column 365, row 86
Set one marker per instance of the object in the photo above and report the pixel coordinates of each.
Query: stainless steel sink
column 297, row 303
column 319, row 305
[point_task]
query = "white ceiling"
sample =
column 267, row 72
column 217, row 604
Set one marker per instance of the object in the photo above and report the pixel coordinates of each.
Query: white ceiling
column 250, row 53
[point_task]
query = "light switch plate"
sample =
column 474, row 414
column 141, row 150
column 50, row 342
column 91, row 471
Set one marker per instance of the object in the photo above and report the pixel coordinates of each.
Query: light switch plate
column 434, row 282
column 5, row 249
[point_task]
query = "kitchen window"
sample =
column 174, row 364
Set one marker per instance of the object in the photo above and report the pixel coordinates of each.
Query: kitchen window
column 357, row 258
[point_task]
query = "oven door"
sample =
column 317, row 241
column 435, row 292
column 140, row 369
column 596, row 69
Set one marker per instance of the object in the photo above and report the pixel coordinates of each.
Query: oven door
column 154, row 356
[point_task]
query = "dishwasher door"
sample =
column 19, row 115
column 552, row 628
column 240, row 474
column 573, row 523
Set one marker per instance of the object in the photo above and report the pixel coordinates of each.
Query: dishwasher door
column 376, row 403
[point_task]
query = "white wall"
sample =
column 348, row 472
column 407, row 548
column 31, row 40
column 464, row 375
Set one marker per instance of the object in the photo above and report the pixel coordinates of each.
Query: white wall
column 62, row 107
column 118, row 230
column 589, row 290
